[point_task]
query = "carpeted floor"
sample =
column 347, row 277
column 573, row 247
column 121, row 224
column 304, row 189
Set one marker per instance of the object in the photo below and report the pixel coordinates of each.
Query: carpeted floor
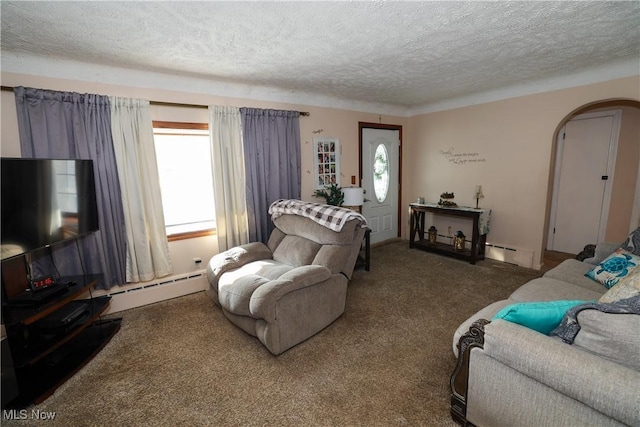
column 386, row 361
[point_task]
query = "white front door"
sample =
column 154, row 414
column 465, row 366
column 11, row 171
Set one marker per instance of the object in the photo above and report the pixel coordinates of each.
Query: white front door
column 582, row 187
column 380, row 157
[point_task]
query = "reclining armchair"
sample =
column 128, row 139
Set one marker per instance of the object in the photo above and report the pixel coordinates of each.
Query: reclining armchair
column 296, row 285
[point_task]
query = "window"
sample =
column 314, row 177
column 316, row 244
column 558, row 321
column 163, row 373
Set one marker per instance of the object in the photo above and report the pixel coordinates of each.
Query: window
column 186, row 182
column 381, row 173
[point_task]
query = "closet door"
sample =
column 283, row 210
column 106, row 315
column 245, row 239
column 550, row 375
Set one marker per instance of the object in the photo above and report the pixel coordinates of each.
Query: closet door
column 584, row 173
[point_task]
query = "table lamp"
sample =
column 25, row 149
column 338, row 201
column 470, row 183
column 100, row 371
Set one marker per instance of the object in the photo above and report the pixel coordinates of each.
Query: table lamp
column 478, row 195
column 353, row 197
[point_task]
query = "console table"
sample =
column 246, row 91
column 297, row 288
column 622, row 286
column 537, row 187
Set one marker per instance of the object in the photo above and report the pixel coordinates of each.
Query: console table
column 480, row 218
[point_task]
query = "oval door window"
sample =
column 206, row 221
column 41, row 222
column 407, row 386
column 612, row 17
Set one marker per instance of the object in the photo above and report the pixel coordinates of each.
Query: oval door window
column 381, row 173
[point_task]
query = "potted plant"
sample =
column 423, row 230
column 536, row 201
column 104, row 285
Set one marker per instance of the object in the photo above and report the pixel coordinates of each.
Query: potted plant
column 332, row 194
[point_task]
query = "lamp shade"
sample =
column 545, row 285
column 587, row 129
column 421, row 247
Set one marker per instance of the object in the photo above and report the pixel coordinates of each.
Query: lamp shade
column 353, row 196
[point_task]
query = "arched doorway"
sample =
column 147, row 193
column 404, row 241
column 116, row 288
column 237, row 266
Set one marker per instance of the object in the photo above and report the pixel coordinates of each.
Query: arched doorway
column 623, row 202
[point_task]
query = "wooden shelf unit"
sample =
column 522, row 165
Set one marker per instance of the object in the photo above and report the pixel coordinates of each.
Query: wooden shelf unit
column 417, row 232
column 44, row 353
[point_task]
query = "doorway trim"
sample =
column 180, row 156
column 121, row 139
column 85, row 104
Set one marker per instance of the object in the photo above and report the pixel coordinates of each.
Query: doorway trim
column 362, row 125
column 635, row 211
column 611, row 165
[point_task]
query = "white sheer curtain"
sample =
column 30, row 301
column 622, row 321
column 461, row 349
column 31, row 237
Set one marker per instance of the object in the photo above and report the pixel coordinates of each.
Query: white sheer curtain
column 147, row 245
column 227, row 157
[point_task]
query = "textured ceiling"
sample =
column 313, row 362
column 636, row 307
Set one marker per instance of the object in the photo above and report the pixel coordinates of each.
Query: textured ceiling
column 397, row 53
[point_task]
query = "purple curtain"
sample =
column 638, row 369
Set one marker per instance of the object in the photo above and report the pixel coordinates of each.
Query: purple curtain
column 68, row 125
column 271, row 140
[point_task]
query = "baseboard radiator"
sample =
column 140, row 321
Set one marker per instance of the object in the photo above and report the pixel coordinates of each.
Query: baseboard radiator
column 517, row 256
column 139, row 294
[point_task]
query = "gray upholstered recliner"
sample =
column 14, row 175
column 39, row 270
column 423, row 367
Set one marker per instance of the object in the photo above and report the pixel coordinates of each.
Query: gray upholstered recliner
column 293, row 287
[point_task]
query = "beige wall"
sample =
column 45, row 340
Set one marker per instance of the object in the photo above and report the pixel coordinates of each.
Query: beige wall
column 514, row 140
column 342, row 124
column 505, row 146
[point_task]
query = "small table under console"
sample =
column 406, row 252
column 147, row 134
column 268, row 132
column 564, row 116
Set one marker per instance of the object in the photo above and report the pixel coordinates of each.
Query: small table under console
column 364, row 260
column 480, row 218
column 50, row 336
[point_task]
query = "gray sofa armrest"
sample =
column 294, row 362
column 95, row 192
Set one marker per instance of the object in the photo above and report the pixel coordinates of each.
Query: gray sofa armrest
column 235, row 258
column 603, row 250
column 606, row 386
column 264, row 299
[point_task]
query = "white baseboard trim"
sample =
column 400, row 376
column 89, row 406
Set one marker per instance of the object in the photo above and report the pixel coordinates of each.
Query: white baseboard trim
column 518, row 256
column 138, row 294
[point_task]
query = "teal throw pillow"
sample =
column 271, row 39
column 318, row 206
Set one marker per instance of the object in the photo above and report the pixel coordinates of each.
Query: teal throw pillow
column 614, row 268
column 539, row 316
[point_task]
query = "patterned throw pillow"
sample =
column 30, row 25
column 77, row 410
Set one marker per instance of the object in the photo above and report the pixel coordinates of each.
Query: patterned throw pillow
column 626, row 288
column 614, row 268
column 632, row 244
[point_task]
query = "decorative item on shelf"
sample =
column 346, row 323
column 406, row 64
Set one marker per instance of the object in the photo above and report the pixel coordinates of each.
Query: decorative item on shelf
column 458, row 241
column 432, row 235
column 353, row 197
column 421, row 200
column 446, row 199
column 478, row 195
column 332, row 194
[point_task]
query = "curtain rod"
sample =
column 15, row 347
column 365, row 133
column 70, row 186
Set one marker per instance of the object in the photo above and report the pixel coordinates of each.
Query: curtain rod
column 166, row 104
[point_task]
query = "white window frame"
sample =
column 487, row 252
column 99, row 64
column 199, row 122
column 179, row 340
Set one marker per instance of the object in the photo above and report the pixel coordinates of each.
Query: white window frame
column 174, row 128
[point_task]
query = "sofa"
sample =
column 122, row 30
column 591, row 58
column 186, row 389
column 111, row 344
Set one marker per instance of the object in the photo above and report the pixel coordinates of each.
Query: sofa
column 563, row 349
column 291, row 288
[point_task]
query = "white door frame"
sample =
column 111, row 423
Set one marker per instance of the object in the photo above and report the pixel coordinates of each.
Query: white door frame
column 635, row 211
column 611, row 166
column 398, row 128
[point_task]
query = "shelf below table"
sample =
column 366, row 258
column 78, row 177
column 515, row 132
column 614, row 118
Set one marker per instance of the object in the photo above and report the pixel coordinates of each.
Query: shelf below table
column 418, row 232
column 445, row 249
column 39, row 381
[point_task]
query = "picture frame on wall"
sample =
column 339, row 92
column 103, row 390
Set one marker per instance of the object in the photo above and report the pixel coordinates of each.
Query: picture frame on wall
column 326, row 161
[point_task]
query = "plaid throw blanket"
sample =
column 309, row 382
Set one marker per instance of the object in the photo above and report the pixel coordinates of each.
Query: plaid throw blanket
column 332, row 217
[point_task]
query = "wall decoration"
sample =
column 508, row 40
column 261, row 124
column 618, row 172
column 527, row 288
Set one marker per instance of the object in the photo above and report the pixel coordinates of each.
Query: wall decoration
column 326, row 161
column 462, row 158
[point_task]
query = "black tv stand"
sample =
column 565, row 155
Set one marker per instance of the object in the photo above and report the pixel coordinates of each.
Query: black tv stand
column 48, row 341
column 35, row 298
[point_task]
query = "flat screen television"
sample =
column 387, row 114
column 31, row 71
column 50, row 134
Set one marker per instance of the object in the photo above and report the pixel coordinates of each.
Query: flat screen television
column 44, row 202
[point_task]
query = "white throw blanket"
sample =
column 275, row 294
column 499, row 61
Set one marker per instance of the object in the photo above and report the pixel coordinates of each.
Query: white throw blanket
column 332, row 217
